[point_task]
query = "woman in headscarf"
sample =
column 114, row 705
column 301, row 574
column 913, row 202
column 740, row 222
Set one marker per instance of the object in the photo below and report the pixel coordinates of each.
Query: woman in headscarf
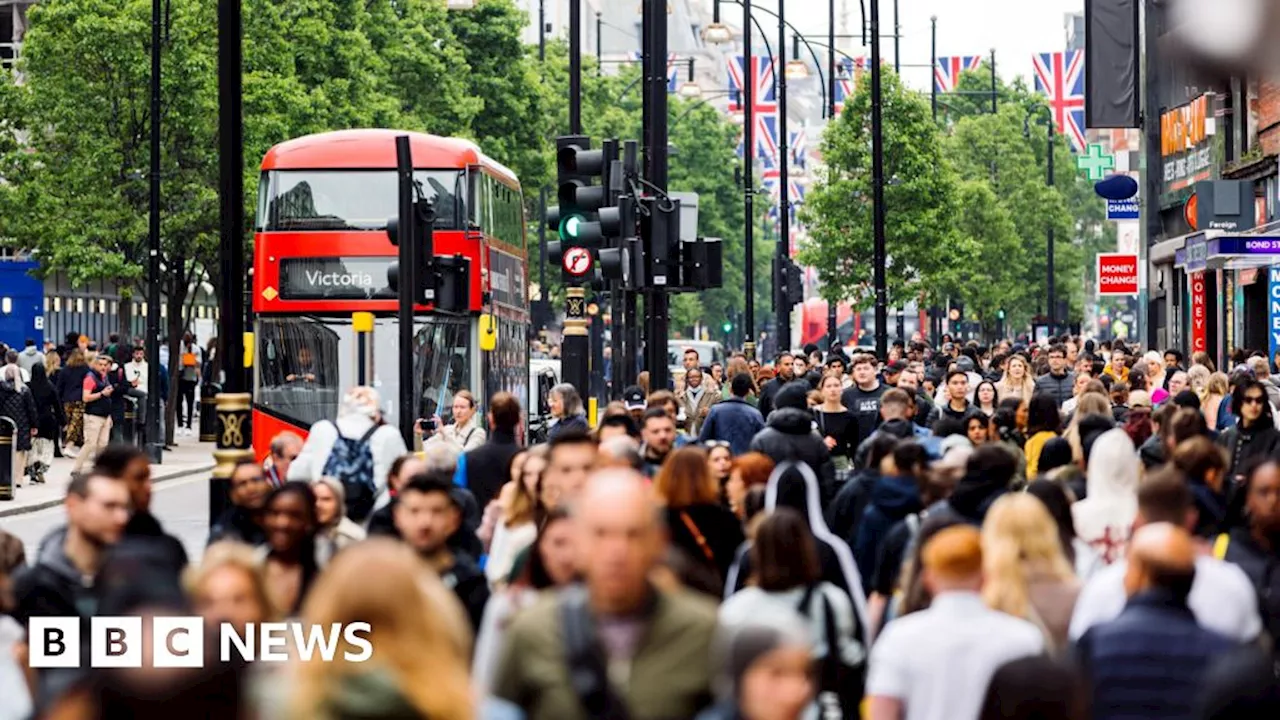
column 1104, row 519
column 17, row 405
column 334, row 530
column 49, row 419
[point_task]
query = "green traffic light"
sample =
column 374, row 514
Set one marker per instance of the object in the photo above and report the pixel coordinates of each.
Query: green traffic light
column 571, row 226
column 728, row 327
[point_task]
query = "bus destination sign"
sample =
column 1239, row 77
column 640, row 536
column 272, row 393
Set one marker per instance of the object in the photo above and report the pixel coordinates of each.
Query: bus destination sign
column 335, row 278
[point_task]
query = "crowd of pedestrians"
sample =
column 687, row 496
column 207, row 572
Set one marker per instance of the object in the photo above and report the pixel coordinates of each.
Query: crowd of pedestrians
column 1061, row 531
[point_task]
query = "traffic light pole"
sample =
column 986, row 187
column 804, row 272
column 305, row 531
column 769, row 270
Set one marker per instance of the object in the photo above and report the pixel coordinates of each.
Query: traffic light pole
column 408, row 282
column 575, row 351
column 655, row 45
column 782, row 300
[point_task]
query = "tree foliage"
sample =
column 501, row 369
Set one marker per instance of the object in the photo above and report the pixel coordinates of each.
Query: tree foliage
column 919, row 195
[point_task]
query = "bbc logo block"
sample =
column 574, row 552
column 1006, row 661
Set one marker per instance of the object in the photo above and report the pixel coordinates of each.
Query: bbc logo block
column 117, row 642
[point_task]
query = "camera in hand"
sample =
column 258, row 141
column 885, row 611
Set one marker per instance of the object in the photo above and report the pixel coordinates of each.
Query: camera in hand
column 427, row 423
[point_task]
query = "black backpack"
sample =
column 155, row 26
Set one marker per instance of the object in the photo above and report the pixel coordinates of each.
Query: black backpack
column 839, row 684
column 351, row 462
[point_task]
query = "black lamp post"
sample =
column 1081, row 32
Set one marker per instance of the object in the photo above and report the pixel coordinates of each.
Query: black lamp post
column 879, row 256
column 1048, row 181
column 154, row 429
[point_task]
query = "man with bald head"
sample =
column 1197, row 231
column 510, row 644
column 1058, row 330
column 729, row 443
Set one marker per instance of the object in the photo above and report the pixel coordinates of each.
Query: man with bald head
column 615, row 641
column 1151, row 661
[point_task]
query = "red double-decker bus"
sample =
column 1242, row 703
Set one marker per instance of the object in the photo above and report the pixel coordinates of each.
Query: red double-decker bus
column 321, row 255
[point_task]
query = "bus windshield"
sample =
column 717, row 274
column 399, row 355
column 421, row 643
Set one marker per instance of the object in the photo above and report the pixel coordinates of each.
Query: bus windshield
column 304, row 365
column 315, row 200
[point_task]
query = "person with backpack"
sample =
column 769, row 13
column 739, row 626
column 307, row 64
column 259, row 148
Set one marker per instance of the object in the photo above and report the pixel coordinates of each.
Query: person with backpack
column 357, row 448
column 788, row 576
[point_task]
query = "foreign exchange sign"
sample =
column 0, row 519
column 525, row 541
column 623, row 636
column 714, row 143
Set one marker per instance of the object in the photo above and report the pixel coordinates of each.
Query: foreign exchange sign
column 1186, row 144
column 1117, row 274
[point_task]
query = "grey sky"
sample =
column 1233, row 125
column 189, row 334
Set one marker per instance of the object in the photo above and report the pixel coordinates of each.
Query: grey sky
column 1015, row 28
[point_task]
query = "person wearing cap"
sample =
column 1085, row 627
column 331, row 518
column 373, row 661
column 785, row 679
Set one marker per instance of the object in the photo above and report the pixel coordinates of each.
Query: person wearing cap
column 893, row 371
column 633, row 397
column 734, row 420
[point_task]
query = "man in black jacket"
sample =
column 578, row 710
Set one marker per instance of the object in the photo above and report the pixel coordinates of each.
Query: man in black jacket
column 60, row 582
column 242, row 522
column 1058, row 382
column 489, row 466
column 130, row 464
column 784, row 367
column 427, row 515
column 789, row 436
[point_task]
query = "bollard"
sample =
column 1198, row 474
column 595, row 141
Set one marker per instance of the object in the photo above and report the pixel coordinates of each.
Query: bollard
column 7, row 457
column 209, row 411
column 129, row 429
column 234, row 436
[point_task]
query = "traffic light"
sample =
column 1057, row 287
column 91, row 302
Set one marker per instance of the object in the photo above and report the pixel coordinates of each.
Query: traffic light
column 577, row 167
column 701, row 264
column 728, row 327
column 660, row 236
column 425, row 277
column 1000, row 315
column 795, row 283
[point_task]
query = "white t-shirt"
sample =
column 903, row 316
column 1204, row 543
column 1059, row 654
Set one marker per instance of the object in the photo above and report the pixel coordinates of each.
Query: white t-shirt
column 938, row 662
column 1222, row 599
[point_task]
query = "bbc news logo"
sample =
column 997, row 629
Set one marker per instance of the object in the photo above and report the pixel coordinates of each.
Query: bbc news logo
column 178, row 642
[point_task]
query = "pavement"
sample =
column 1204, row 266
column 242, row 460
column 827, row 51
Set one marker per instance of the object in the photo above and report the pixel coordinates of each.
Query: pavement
column 189, row 456
column 179, row 500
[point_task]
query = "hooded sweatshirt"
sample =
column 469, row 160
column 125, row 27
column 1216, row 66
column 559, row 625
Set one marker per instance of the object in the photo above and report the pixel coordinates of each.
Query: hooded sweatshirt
column 29, row 358
column 1104, row 518
column 892, row 498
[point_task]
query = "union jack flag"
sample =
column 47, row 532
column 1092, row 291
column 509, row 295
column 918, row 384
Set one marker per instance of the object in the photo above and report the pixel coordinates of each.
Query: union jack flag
column 1060, row 76
column 764, row 101
column 847, row 80
column 946, row 75
column 673, row 69
column 799, row 148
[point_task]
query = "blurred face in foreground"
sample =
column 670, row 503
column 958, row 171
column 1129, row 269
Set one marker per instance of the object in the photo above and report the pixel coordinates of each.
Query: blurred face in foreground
column 778, row 685
column 229, row 595
column 619, row 540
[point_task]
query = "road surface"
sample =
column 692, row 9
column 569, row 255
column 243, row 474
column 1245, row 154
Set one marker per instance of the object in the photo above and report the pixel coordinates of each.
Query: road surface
column 182, row 506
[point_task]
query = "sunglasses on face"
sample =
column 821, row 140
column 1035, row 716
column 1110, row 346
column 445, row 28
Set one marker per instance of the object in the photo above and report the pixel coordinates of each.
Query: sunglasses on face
column 1253, row 400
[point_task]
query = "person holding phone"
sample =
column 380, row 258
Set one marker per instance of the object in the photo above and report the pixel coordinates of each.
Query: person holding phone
column 464, row 433
column 96, row 392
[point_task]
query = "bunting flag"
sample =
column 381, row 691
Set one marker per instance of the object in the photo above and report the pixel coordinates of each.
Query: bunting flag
column 799, row 148
column 764, row 101
column 1060, row 77
column 946, row 74
column 847, row 73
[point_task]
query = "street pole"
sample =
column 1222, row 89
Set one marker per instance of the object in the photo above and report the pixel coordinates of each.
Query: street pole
column 409, row 283
column 544, row 305
column 542, row 30
column 599, row 55
column 781, row 248
column 933, row 63
column 656, row 173
column 833, row 329
column 155, row 423
column 1053, row 309
column 995, row 83
column 897, row 41
column 575, row 71
column 748, row 181
column 877, row 189
column 235, row 432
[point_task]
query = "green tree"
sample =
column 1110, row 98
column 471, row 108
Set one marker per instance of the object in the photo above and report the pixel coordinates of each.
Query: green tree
column 920, row 200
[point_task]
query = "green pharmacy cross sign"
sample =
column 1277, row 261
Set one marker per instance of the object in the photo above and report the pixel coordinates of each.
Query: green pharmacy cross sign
column 1094, row 163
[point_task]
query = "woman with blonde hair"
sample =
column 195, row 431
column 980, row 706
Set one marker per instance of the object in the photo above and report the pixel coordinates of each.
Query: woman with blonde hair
column 418, row 632
column 1091, row 403
column 518, row 512
column 1026, row 572
column 1198, row 380
column 1016, row 381
column 228, row 586
column 1211, row 402
column 705, row 530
